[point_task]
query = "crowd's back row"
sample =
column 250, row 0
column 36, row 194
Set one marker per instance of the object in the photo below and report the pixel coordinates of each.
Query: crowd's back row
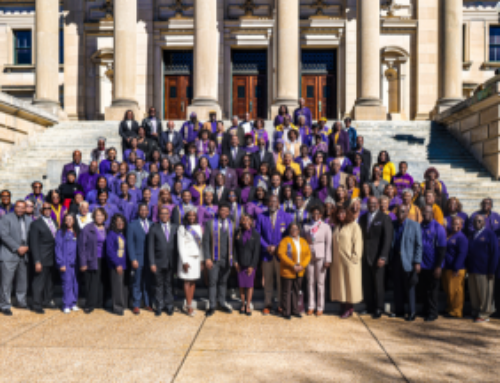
column 319, row 179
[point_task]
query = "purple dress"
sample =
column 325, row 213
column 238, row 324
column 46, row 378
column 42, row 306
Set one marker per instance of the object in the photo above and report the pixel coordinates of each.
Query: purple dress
column 278, row 120
column 245, row 281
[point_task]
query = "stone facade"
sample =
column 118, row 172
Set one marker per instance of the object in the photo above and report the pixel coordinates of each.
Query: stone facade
column 419, row 58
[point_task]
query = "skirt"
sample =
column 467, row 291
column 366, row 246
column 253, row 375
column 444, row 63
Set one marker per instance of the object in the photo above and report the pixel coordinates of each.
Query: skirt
column 245, row 281
column 194, row 271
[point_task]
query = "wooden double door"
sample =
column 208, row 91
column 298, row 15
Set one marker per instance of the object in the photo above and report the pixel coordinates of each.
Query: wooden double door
column 178, row 95
column 249, row 95
column 319, row 93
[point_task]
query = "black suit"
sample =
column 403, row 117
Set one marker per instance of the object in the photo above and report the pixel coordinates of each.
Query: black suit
column 125, row 132
column 176, row 141
column 42, row 245
column 364, row 174
column 163, row 255
column 226, row 139
column 148, row 125
column 377, row 241
column 238, row 161
column 223, row 197
column 247, row 254
column 257, row 161
column 313, row 201
column 367, row 159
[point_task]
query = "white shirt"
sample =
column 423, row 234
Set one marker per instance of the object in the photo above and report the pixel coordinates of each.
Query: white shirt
column 153, row 125
column 129, row 124
column 170, row 136
column 83, row 220
column 192, row 161
column 77, row 170
column 371, row 217
column 247, row 127
column 297, row 247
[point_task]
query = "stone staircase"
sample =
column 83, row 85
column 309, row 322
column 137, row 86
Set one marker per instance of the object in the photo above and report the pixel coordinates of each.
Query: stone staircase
column 421, row 144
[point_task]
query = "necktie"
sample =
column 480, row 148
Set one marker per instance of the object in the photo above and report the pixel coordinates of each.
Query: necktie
column 224, row 225
column 234, row 154
column 273, row 219
column 23, row 230
column 165, row 229
column 145, row 226
column 51, row 227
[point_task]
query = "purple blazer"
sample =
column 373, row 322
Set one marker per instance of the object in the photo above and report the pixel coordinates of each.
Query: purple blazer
column 87, row 247
column 69, row 167
column 268, row 234
column 343, row 142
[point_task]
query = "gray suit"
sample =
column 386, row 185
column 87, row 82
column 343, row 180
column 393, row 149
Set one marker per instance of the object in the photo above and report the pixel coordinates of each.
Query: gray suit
column 218, row 276
column 13, row 265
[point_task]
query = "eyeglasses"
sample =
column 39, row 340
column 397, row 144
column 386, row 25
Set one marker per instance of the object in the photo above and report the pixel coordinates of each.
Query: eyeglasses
column 46, row 208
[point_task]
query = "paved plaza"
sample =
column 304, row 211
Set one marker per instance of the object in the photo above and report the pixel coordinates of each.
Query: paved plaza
column 234, row 348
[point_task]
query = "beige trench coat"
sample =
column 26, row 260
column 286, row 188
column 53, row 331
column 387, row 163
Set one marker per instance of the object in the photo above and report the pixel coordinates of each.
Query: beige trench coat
column 345, row 270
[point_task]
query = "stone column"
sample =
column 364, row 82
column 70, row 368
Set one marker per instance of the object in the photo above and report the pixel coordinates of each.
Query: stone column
column 206, row 60
column 287, row 66
column 368, row 104
column 125, row 61
column 451, row 70
column 47, row 55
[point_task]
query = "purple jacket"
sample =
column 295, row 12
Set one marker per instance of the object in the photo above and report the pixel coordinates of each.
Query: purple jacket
column 343, row 141
column 306, row 112
column 87, row 247
column 88, row 181
column 231, row 178
column 272, row 236
column 69, row 167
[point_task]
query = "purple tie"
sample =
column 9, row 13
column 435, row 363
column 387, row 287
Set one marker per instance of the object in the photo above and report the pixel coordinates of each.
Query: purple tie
column 165, row 229
column 145, row 226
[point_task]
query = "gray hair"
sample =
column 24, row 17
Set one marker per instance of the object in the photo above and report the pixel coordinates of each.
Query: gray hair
column 165, row 187
column 383, row 198
column 354, row 200
column 408, row 191
column 209, row 189
column 101, row 138
column 329, row 200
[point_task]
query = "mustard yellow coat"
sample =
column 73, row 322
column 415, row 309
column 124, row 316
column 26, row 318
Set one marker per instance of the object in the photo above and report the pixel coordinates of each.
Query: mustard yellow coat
column 345, row 270
column 287, row 264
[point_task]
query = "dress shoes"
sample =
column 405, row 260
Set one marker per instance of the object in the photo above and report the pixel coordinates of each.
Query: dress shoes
column 309, row 312
column 7, row 312
column 21, row 307
column 88, row 311
column 170, row 312
column 119, row 313
column 377, row 314
column 249, row 313
column 136, row 310
column 287, row 317
column 39, row 310
column 210, row 312
column 266, row 311
column 149, row 308
column 297, row 315
column 226, row 310
column 157, row 313
column 411, row 317
column 319, row 313
column 430, row 318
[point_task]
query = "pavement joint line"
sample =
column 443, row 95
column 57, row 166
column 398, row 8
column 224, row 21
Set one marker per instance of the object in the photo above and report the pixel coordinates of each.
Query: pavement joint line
column 383, row 349
column 189, row 350
column 29, row 329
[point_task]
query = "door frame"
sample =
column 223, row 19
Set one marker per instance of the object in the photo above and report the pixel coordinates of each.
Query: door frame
column 165, row 71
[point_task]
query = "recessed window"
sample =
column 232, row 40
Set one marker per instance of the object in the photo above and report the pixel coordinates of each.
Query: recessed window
column 22, row 47
column 310, row 91
column 241, row 92
column 495, row 43
column 173, row 92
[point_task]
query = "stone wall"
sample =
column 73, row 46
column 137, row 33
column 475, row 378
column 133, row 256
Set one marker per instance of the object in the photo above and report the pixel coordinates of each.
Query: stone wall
column 19, row 124
column 475, row 122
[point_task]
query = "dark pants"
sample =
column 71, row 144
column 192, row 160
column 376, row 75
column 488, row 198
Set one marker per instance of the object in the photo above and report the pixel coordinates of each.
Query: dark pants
column 373, row 286
column 94, row 287
column 217, row 283
column 290, row 289
column 42, row 287
column 497, row 298
column 119, row 291
column 164, row 293
column 403, row 290
column 140, row 286
column 429, row 288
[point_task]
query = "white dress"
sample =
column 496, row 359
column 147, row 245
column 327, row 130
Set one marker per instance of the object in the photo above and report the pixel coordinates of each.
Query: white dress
column 189, row 252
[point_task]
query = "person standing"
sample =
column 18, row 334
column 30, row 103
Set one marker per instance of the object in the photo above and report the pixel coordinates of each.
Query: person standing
column 37, row 198
column 246, row 258
column 91, row 248
column 128, row 129
column 152, row 125
column 116, row 256
column 218, row 254
column 319, row 237
column 294, row 255
column 303, row 110
column 77, row 166
column 433, row 253
column 137, row 232
column 377, row 231
column 42, row 242
column 351, row 131
column 66, row 258
column 481, row 264
column 345, row 271
column 14, row 232
column 162, row 253
column 190, row 247
column 454, row 268
column 271, row 225
column 406, row 253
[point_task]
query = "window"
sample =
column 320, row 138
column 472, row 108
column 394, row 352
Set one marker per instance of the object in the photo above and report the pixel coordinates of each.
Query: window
column 241, row 92
column 61, row 46
column 495, row 43
column 22, row 47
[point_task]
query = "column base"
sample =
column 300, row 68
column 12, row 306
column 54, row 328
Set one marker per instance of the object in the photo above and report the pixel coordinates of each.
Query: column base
column 52, row 107
column 202, row 108
column 445, row 103
column 116, row 111
column 370, row 113
column 290, row 104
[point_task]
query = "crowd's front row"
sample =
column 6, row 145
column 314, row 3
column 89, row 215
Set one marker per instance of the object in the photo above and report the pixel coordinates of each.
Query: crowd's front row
column 144, row 257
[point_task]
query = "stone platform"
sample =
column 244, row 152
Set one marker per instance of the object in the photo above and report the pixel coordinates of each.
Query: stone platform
column 235, row 348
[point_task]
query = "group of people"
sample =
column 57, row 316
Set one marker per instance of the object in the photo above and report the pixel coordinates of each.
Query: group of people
column 236, row 205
